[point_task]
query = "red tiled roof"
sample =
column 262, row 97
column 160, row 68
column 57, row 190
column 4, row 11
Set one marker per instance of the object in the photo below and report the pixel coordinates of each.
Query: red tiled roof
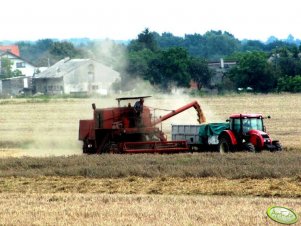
column 13, row 49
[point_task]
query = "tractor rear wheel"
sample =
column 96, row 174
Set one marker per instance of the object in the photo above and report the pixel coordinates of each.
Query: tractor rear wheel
column 224, row 145
column 249, row 147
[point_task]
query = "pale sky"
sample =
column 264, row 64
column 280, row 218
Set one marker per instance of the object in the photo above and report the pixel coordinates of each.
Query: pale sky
column 125, row 19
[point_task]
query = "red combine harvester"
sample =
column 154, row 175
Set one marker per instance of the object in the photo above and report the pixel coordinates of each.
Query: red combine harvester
column 130, row 129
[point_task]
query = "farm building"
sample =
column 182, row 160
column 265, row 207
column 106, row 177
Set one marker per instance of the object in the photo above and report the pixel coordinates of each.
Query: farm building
column 20, row 84
column 16, row 85
column 219, row 69
column 75, row 76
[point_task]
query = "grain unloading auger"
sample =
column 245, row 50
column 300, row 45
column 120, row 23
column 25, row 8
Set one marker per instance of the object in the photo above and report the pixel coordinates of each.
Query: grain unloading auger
column 130, row 129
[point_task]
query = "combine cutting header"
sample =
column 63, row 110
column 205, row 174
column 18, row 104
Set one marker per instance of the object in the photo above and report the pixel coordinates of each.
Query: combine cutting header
column 130, row 129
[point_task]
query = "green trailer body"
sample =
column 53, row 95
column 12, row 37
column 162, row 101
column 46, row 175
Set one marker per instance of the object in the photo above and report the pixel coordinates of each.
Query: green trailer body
column 208, row 133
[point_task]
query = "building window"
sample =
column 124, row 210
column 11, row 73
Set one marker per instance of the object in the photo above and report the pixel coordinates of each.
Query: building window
column 91, row 72
column 20, row 65
column 91, row 69
column 94, row 87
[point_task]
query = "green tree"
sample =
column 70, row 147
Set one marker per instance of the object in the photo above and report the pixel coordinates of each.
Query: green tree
column 146, row 40
column 64, row 49
column 289, row 84
column 168, row 40
column 138, row 62
column 219, row 44
column 6, row 69
column 170, row 67
column 252, row 45
column 253, row 70
column 287, row 61
column 199, row 71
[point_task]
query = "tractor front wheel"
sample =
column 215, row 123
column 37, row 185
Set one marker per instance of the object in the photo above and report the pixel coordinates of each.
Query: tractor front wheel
column 278, row 146
column 224, row 145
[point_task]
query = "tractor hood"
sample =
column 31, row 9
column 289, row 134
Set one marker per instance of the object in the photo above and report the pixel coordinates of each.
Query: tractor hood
column 260, row 138
column 257, row 132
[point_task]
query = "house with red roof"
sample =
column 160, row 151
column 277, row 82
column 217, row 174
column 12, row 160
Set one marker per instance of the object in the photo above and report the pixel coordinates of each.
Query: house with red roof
column 15, row 85
column 18, row 63
column 14, row 49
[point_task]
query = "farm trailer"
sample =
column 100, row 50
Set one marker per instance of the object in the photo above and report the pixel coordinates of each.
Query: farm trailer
column 240, row 132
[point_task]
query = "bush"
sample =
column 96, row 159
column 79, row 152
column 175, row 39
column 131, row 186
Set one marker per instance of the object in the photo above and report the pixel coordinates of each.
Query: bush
column 289, row 84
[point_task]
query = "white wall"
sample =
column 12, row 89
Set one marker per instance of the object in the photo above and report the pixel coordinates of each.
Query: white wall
column 28, row 70
column 81, row 80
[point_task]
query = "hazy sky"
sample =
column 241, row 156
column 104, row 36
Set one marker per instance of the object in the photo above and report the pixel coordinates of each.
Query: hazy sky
column 125, row 19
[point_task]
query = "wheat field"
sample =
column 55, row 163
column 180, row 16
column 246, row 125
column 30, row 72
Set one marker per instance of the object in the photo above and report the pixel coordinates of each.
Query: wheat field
column 32, row 194
column 39, row 127
column 106, row 209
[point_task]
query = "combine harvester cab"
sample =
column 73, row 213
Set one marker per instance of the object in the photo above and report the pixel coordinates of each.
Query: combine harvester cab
column 130, row 129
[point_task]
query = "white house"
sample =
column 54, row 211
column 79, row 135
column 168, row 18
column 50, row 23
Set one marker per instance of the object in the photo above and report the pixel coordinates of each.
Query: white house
column 26, row 68
column 75, row 76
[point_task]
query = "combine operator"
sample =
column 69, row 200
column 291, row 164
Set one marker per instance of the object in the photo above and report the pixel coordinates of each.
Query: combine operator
column 138, row 107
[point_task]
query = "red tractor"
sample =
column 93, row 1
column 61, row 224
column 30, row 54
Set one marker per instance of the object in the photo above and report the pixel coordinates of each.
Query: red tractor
column 129, row 129
column 246, row 132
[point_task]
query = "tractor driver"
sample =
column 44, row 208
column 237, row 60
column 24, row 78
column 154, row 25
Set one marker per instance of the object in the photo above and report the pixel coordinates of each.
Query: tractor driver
column 246, row 125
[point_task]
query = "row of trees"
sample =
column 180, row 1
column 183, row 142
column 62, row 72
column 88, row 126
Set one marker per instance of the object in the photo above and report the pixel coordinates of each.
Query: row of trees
column 268, row 71
column 167, row 60
column 264, row 70
column 214, row 45
column 47, row 51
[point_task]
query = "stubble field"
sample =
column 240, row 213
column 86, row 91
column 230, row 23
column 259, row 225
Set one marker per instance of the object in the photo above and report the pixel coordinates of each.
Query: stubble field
column 46, row 187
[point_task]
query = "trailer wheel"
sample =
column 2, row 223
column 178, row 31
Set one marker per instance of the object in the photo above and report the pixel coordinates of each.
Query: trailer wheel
column 224, row 145
column 249, row 147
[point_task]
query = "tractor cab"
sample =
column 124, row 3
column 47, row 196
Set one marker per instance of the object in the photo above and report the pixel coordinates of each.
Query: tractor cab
column 243, row 123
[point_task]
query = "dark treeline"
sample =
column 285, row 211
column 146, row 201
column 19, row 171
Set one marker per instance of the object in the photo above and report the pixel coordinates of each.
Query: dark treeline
column 169, row 60
column 166, row 60
column 214, row 45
